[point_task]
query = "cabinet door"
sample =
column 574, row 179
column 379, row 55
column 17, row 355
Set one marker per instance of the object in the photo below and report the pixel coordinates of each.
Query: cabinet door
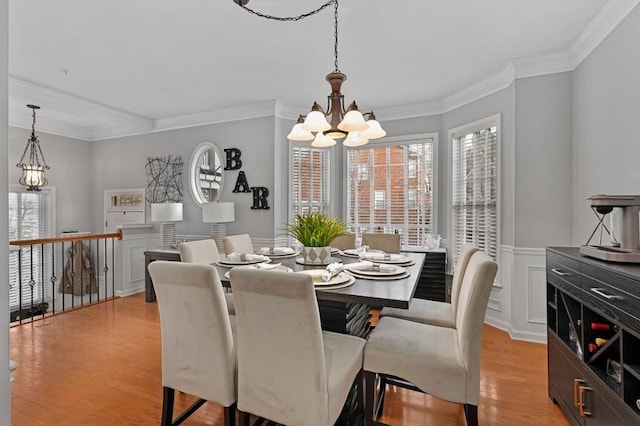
column 562, row 379
column 601, row 413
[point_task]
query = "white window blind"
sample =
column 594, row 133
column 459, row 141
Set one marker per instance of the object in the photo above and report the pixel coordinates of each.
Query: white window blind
column 397, row 194
column 29, row 218
column 310, row 180
column 475, row 190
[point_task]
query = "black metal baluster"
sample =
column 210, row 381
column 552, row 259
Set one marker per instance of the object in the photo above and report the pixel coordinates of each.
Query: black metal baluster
column 113, row 270
column 105, row 269
column 42, row 281
column 80, row 244
column 20, row 284
column 73, row 276
column 64, row 273
column 53, row 278
column 32, row 282
column 97, row 271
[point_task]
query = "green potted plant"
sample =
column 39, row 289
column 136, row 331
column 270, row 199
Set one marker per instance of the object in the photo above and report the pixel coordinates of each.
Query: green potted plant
column 315, row 231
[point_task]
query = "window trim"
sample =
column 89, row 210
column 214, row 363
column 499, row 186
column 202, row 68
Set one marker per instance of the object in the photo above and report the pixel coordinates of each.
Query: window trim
column 492, row 120
column 397, row 140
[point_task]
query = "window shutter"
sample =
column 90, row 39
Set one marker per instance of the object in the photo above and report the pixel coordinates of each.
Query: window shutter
column 310, row 180
column 390, row 189
column 29, row 219
column 475, row 190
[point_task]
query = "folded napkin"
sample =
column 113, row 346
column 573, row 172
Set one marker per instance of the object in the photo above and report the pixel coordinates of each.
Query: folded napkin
column 331, row 271
column 365, row 265
column 277, row 250
column 370, row 255
column 246, row 257
column 267, row 266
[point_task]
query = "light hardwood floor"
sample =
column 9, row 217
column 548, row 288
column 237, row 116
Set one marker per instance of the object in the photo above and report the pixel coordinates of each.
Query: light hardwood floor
column 101, row 366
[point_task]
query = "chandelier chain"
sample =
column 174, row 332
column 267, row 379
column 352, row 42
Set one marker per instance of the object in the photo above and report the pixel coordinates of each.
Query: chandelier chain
column 335, row 34
column 290, row 18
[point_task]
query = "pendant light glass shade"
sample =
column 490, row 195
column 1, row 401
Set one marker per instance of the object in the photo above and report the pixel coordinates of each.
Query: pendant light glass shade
column 322, row 141
column 355, row 139
column 33, row 171
column 316, row 122
column 33, row 177
column 353, row 121
column 299, row 134
column 374, row 131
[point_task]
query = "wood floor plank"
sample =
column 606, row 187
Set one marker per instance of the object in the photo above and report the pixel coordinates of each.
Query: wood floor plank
column 101, row 365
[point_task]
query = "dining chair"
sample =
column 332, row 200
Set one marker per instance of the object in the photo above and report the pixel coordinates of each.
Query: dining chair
column 204, row 251
column 442, row 314
column 441, row 361
column 289, row 370
column 344, row 242
column 198, row 344
column 240, row 243
column 389, row 243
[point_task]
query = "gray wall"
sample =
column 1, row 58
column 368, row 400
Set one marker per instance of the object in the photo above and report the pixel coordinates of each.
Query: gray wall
column 5, row 396
column 606, row 113
column 120, row 164
column 70, row 173
column 543, row 160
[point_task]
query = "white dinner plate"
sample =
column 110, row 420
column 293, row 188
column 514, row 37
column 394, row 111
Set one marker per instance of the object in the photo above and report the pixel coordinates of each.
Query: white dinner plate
column 300, row 261
column 278, row 267
column 406, row 274
column 316, row 276
column 389, row 270
column 281, row 256
column 227, row 262
column 395, row 259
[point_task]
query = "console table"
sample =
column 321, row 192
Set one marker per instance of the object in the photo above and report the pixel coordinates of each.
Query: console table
column 150, row 256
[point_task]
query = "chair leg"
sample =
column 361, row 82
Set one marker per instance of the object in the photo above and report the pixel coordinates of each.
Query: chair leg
column 230, row 415
column 167, row 406
column 377, row 411
column 243, row 418
column 369, row 393
column 360, row 392
column 471, row 414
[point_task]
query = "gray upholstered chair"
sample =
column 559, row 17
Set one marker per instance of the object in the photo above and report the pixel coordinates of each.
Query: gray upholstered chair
column 240, row 243
column 289, row 370
column 430, row 311
column 204, row 251
column 441, row 361
column 344, row 242
column 389, row 243
column 198, row 345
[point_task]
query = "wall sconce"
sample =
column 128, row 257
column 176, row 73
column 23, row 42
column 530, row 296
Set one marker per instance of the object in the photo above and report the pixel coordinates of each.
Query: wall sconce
column 167, row 214
column 217, row 214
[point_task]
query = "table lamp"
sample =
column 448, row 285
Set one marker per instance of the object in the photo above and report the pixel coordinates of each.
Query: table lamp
column 167, row 214
column 217, row 214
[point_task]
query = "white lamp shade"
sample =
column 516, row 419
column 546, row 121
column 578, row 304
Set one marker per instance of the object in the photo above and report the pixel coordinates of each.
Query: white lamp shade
column 353, row 121
column 355, row 139
column 322, row 141
column 316, row 122
column 299, row 134
column 374, row 131
column 218, row 212
column 166, row 212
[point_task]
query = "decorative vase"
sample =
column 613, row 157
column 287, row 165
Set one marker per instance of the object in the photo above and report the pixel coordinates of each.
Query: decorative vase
column 316, row 255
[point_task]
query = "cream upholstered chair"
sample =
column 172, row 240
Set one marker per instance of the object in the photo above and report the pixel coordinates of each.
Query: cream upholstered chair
column 198, row 348
column 389, row 243
column 289, row 370
column 344, row 242
column 433, row 312
column 240, row 243
column 204, row 251
column 441, row 361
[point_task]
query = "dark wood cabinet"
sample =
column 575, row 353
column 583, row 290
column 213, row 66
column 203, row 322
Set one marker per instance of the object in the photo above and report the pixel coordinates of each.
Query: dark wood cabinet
column 593, row 319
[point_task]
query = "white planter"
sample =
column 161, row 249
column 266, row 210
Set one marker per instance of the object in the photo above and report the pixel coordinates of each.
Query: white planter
column 316, row 255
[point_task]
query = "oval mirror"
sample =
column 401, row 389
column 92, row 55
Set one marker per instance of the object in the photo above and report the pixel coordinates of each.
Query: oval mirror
column 206, row 173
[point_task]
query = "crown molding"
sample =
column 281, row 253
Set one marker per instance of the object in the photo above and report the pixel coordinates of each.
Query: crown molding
column 421, row 109
column 611, row 14
column 488, row 86
column 547, row 63
column 244, row 112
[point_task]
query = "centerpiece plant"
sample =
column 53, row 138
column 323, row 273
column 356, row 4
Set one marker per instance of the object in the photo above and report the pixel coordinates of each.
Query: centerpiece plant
column 315, row 231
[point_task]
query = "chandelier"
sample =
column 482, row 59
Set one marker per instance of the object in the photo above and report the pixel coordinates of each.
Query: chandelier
column 33, row 172
column 336, row 121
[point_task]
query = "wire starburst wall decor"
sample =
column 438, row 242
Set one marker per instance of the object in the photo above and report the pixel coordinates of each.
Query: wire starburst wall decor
column 164, row 179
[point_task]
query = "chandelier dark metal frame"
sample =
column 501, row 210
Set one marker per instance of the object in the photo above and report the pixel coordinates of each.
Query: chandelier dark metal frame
column 343, row 122
column 33, row 172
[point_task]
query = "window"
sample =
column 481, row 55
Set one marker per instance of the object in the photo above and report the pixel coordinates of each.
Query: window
column 30, row 216
column 363, row 172
column 397, row 195
column 310, row 180
column 475, row 186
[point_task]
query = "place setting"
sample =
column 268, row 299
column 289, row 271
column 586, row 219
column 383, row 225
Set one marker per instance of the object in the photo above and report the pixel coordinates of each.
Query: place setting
column 388, row 258
column 331, row 278
column 376, row 271
column 262, row 267
column 238, row 259
column 278, row 252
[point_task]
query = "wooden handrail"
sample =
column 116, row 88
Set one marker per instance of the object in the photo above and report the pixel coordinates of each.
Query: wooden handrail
column 117, row 235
